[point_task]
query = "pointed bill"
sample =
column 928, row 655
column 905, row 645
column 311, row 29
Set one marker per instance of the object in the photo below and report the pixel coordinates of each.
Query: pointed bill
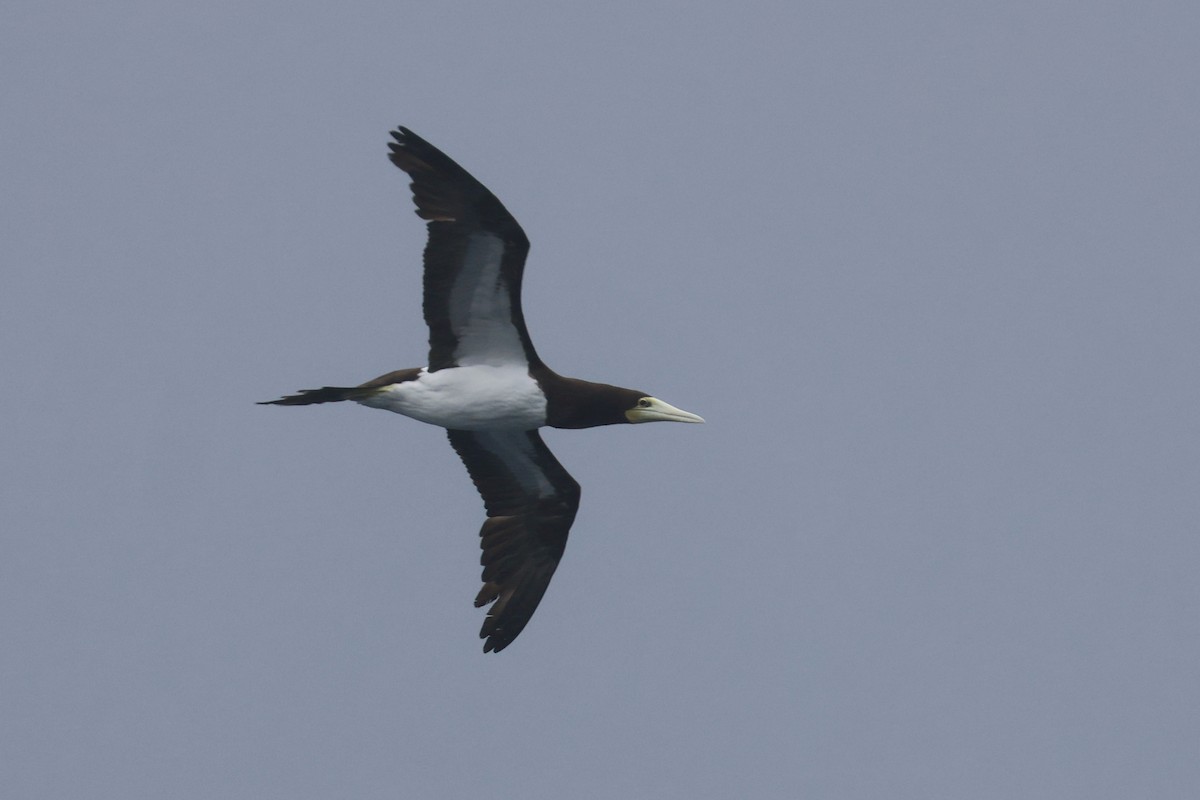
column 651, row 409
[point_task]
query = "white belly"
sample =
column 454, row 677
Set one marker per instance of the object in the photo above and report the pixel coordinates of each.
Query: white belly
column 468, row 398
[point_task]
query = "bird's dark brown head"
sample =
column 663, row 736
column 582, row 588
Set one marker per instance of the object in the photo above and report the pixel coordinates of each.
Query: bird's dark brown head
column 572, row 403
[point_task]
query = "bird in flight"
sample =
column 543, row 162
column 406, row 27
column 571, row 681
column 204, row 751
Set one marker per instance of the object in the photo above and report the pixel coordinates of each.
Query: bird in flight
column 486, row 386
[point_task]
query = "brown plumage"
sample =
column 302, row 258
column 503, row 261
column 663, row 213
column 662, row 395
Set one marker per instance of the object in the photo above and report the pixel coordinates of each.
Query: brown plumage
column 487, row 386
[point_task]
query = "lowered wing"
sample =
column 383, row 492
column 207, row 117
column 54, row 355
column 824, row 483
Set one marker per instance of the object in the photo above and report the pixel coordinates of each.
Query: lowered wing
column 531, row 502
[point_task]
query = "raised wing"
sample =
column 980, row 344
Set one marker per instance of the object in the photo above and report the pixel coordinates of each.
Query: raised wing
column 531, row 502
column 474, row 260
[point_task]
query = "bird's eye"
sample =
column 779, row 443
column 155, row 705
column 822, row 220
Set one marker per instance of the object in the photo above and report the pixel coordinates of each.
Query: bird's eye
column 644, row 403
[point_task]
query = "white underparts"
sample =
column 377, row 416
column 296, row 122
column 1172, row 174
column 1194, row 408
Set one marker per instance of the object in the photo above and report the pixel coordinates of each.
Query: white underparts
column 468, row 398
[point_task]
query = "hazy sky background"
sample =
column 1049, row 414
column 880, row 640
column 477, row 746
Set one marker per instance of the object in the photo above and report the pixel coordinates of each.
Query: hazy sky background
column 929, row 270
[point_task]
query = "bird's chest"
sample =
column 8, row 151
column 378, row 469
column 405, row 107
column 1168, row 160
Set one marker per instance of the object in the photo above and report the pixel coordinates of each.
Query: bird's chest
column 469, row 398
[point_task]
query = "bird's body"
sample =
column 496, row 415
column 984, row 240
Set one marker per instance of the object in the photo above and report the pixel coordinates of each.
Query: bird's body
column 487, row 386
column 473, row 398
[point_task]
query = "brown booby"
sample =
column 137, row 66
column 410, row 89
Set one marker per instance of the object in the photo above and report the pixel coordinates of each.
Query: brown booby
column 487, row 387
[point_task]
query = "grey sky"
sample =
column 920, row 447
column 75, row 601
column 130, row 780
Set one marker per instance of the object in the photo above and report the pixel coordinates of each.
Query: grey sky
column 929, row 270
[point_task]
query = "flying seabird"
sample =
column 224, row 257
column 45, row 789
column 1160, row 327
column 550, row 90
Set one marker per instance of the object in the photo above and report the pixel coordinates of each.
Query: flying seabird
column 487, row 387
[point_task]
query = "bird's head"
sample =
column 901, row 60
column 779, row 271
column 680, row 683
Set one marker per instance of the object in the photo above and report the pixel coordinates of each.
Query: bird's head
column 581, row 404
column 651, row 409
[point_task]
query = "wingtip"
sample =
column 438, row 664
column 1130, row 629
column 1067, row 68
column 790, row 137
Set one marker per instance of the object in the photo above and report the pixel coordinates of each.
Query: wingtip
column 495, row 642
column 404, row 138
column 407, row 152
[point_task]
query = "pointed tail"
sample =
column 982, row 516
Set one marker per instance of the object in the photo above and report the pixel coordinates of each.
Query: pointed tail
column 308, row 397
column 335, row 394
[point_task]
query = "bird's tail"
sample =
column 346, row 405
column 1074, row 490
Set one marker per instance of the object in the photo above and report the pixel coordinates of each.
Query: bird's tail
column 335, row 394
column 326, row 394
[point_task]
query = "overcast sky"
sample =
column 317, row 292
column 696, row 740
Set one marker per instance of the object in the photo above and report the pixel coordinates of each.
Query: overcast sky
column 929, row 270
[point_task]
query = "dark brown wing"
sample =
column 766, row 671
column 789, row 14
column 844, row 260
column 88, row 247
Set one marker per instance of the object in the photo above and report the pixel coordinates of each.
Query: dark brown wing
column 474, row 260
column 531, row 502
